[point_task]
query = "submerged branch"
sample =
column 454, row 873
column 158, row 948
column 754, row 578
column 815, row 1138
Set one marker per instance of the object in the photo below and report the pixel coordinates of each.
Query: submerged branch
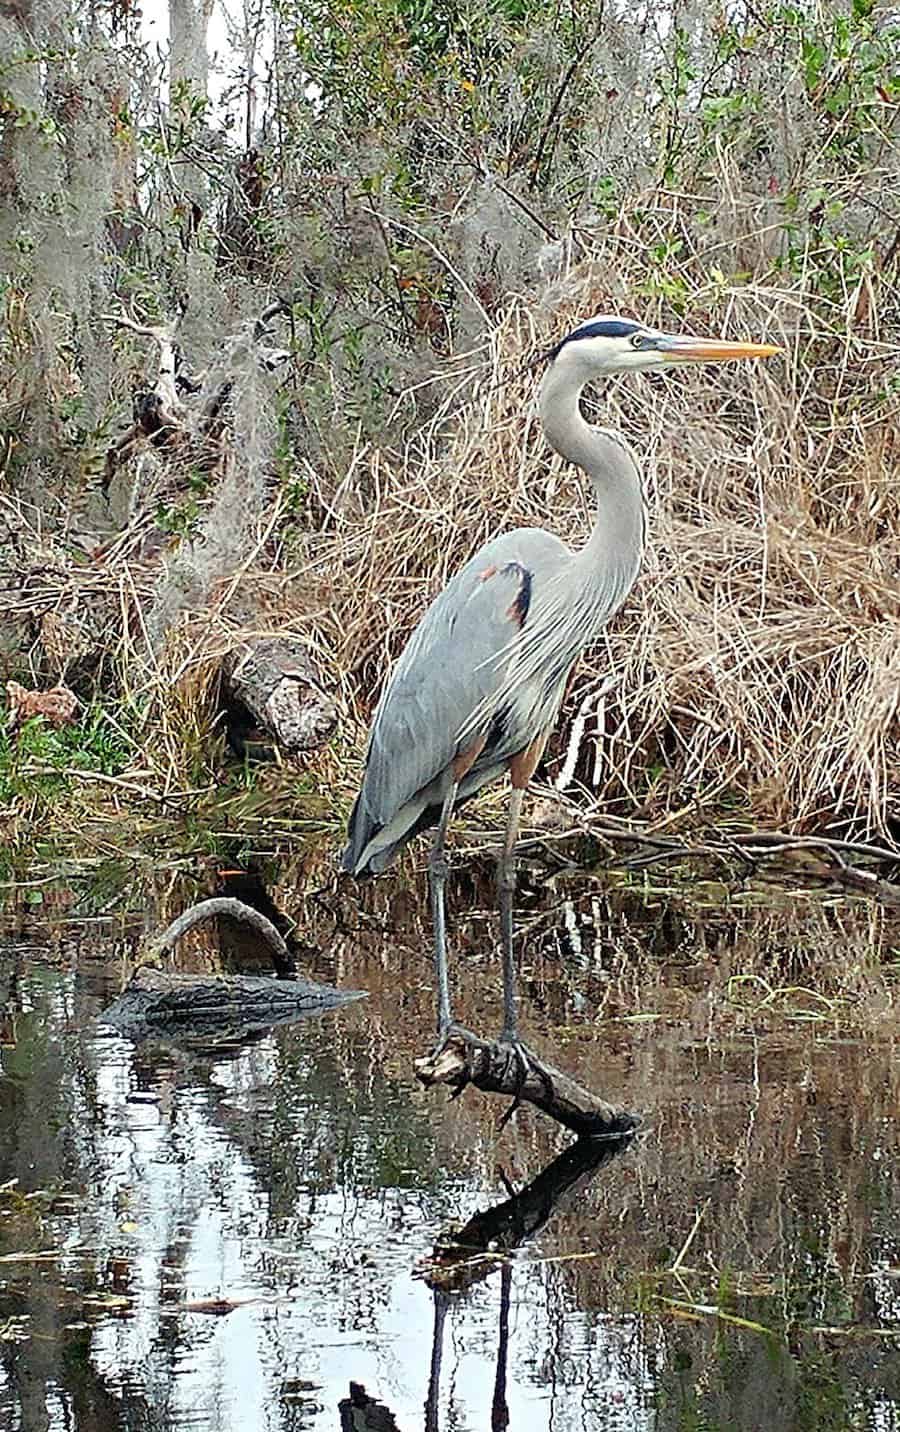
column 751, row 849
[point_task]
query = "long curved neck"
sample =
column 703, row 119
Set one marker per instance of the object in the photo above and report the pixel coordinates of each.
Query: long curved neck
column 617, row 540
column 586, row 590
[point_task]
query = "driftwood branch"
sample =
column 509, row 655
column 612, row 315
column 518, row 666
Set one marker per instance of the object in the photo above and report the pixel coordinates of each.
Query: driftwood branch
column 208, row 909
column 494, row 1069
column 217, row 1011
column 220, row 1013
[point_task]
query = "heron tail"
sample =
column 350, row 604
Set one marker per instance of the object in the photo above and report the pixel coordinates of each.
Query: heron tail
column 360, row 830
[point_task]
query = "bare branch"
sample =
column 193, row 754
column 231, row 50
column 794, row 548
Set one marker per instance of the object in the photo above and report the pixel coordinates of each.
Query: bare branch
column 494, row 1069
column 220, row 905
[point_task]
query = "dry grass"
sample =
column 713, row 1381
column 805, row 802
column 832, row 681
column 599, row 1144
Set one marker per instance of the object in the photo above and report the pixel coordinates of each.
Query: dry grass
column 757, row 663
column 758, row 659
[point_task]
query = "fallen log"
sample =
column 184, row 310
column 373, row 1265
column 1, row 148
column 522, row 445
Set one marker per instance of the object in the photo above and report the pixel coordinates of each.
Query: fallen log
column 217, row 1010
column 274, row 695
column 494, row 1068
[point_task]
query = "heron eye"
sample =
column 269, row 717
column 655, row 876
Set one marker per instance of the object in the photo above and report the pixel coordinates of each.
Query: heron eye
column 638, row 340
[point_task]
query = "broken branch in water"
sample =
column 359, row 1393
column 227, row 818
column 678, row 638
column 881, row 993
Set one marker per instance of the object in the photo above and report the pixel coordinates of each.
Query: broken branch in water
column 205, row 910
column 494, row 1068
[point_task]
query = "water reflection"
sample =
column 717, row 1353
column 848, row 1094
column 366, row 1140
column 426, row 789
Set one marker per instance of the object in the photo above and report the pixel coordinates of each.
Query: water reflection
column 482, row 1246
column 231, row 1241
column 468, row 1254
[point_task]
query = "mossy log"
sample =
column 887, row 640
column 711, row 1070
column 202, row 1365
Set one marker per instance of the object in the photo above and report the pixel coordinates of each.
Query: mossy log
column 164, row 999
column 217, row 1010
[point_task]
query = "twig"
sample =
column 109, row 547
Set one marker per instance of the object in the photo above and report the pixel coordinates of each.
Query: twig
column 75, row 773
column 443, row 259
column 567, row 78
column 676, row 1266
column 780, row 842
column 483, row 174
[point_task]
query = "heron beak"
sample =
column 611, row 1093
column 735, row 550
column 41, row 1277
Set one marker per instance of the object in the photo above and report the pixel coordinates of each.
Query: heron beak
column 711, row 350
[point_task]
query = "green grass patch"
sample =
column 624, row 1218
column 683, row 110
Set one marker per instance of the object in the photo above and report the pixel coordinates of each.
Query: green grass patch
column 39, row 762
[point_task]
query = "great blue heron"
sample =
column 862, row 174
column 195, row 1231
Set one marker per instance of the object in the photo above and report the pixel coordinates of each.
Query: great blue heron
column 477, row 689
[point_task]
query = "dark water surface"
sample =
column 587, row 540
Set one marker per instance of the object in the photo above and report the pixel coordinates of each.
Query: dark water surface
column 227, row 1238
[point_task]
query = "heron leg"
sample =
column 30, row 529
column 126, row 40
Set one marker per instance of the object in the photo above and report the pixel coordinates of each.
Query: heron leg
column 506, row 884
column 521, row 769
column 438, row 870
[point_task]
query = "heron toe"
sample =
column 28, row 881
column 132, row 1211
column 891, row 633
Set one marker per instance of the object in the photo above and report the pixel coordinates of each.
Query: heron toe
column 520, row 1053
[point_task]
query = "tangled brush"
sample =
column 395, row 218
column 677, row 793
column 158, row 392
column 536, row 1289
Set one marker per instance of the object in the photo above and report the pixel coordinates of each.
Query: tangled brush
column 757, row 663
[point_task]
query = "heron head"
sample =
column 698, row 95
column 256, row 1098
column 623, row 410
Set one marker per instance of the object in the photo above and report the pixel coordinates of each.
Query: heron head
column 606, row 344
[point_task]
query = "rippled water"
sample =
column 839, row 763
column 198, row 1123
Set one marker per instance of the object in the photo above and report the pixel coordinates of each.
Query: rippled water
column 209, row 1239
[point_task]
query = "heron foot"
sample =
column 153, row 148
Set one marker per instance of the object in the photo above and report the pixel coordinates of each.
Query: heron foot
column 526, row 1063
column 447, row 1030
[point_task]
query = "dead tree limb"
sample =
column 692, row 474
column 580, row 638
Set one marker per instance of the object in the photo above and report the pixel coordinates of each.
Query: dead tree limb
column 271, row 684
column 158, row 413
column 494, row 1069
column 205, row 910
column 164, row 337
column 194, row 434
column 826, row 858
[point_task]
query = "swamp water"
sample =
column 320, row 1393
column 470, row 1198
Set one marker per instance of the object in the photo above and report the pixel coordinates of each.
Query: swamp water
column 226, row 1236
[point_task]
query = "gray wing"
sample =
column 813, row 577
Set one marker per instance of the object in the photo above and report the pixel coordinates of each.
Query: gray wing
column 455, row 660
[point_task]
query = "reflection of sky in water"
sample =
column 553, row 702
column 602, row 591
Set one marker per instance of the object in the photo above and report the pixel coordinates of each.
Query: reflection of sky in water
column 181, row 1200
column 305, row 1181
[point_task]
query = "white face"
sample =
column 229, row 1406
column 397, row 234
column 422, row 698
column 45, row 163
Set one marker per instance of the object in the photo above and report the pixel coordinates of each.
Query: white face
column 607, row 344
